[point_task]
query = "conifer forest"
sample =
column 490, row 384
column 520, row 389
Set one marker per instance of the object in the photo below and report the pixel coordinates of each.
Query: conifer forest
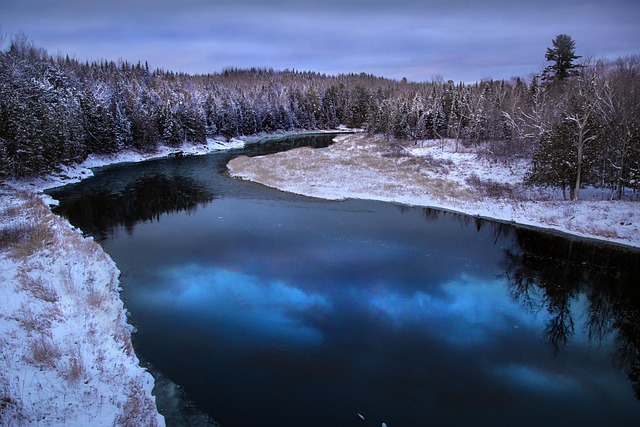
column 576, row 124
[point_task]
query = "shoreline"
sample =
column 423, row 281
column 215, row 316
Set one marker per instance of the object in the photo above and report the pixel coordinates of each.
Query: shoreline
column 431, row 175
column 43, row 279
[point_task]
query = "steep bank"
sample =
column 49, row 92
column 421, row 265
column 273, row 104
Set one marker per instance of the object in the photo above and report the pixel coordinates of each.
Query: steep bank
column 434, row 174
column 66, row 357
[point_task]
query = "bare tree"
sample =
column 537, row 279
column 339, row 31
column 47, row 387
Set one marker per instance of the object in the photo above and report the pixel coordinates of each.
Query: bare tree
column 582, row 98
column 619, row 107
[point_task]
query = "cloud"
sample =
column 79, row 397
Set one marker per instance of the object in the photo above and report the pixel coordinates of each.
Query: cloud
column 461, row 40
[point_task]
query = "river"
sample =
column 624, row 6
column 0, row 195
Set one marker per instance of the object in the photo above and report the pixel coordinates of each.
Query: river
column 272, row 309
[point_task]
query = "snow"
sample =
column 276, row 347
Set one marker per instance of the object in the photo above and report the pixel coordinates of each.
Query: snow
column 435, row 174
column 66, row 354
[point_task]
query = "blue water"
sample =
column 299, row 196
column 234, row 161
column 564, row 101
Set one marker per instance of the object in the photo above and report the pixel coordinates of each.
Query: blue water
column 271, row 309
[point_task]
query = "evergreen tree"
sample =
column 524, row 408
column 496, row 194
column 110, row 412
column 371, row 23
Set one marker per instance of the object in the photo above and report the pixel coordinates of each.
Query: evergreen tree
column 562, row 54
column 122, row 126
column 554, row 161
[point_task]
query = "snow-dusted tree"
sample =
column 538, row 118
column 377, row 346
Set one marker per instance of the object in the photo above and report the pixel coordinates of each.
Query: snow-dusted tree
column 554, row 161
column 122, row 127
column 583, row 95
column 619, row 110
column 98, row 124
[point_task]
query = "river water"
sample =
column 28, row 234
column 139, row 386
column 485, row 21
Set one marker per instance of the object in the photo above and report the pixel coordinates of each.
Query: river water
column 271, row 309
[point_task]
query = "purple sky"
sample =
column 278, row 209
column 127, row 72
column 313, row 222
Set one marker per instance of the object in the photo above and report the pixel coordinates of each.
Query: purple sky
column 462, row 40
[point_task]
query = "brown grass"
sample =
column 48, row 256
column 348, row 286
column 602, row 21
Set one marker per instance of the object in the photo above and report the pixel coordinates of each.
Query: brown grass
column 13, row 235
column 38, row 288
column 74, row 370
column 32, row 233
column 95, row 298
column 122, row 336
column 490, row 188
column 43, row 352
column 36, row 237
column 30, row 322
column 139, row 409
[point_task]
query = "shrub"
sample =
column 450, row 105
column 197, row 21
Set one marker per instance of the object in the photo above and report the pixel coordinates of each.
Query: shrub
column 489, row 187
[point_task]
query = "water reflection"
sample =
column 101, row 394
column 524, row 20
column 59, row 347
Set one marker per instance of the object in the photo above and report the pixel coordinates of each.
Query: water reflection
column 273, row 309
column 100, row 210
column 607, row 277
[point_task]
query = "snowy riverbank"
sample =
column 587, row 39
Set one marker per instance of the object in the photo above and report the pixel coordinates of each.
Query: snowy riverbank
column 66, row 357
column 432, row 174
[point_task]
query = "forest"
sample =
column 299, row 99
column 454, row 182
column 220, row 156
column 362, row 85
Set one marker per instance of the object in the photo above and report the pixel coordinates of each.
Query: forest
column 576, row 125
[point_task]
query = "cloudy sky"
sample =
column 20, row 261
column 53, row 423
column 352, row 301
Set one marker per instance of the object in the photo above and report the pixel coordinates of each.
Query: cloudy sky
column 462, row 40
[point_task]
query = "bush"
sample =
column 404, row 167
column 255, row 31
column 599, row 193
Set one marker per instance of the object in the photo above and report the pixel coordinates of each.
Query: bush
column 489, row 187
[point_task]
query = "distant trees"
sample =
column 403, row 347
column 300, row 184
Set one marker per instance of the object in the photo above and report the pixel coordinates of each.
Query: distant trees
column 576, row 125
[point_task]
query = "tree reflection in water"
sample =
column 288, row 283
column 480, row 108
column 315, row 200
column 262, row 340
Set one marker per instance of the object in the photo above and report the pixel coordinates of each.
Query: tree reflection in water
column 99, row 212
column 560, row 269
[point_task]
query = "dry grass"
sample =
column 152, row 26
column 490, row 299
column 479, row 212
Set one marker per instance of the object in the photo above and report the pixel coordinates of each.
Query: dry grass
column 43, row 352
column 33, row 230
column 96, row 299
column 490, row 188
column 122, row 336
column 38, row 288
column 13, row 235
column 30, row 322
column 139, row 409
column 606, row 233
column 74, row 370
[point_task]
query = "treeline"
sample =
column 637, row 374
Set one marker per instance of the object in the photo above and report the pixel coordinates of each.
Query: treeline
column 580, row 130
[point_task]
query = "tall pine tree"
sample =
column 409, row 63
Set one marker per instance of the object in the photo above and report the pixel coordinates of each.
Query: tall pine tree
column 562, row 55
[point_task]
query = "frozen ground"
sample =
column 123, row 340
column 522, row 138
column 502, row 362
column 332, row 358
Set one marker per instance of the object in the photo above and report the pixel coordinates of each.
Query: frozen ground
column 433, row 174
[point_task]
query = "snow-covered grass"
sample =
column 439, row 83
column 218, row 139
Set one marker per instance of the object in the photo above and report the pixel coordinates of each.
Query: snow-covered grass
column 66, row 356
column 435, row 174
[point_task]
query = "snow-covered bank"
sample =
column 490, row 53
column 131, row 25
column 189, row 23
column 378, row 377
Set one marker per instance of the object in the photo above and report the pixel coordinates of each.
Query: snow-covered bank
column 66, row 356
column 65, row 345
column 78, row 172
column 431, row 174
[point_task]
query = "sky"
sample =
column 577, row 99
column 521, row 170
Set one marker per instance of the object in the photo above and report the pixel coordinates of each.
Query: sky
column 461, row 40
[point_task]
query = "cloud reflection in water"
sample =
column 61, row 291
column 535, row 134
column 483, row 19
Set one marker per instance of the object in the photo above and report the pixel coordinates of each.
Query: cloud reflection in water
column 240, row 302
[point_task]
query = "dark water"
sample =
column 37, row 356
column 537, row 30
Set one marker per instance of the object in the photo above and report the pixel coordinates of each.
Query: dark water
column 277, row 310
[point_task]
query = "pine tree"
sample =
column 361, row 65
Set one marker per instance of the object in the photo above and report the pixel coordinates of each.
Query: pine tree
column 562, row 54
